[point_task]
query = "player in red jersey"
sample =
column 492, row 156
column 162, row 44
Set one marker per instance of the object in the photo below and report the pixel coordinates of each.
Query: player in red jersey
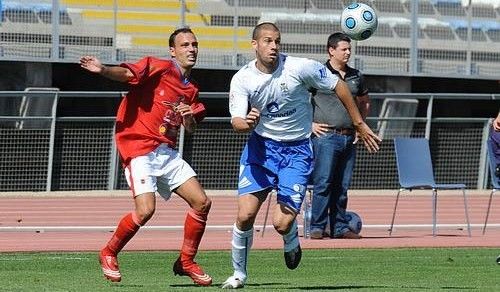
column 161, row 98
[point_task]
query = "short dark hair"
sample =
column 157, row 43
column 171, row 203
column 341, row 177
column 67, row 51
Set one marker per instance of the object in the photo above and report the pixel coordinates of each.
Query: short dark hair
column 262, row 26
column 335, row 38
column 171, row 39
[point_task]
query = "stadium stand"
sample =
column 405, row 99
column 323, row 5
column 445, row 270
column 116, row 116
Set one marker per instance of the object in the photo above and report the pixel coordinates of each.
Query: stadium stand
column 140, row 27
column 281, row 4
column 390, row 6
column 450, row 7
column 328, row 5
column 424, row 7
column 483, row 10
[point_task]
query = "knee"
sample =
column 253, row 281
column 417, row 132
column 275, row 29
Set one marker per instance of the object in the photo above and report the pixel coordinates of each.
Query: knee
column 203, row 206
column 245, row 220
column 144, row 213
column 281, row 228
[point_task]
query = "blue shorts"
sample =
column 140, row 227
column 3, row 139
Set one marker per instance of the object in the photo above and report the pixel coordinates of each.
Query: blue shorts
column 283, row 166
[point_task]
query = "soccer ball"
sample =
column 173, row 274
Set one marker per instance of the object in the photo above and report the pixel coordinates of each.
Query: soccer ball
column 355, row 223
column 358, row 21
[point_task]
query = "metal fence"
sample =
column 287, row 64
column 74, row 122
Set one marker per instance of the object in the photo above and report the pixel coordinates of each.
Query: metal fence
column 42, row 151
column 445, row 38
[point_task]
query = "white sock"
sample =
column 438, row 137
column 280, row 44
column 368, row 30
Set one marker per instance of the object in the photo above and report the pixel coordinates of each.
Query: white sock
column 291, row 239
column 241, row 244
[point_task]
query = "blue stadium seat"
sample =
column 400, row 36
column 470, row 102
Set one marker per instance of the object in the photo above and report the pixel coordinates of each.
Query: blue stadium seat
column 17, row 12
column 44, row 12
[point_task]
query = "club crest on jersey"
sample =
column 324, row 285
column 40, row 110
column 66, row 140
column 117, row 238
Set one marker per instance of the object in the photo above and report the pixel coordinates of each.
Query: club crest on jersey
column 273, row 107
column 162, row 129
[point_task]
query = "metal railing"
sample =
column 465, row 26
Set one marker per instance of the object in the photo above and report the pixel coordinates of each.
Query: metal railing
column 42, row 150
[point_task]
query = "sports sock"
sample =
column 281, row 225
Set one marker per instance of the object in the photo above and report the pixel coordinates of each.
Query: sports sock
column 241, row 244
column 194, row 227
column 291, row 239
column 126, row 229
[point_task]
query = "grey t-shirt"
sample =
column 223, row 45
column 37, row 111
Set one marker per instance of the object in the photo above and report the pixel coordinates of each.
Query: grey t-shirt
column 328, row 109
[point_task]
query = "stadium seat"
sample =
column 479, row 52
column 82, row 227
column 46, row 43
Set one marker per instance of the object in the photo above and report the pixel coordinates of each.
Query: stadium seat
column 19, row 13
column 328, row 5
column 495, row 182
column 415, row 171
column 159, row 5
column 450, row 7
column 424, row 7
column 290, row 4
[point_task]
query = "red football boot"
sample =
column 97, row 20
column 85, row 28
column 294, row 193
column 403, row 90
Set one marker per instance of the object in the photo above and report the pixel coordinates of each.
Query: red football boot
column 109, row 266
column 194, row 271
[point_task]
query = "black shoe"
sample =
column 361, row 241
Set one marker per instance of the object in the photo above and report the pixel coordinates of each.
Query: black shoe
column 316, row 234
column 293, row 257
column 497, row 170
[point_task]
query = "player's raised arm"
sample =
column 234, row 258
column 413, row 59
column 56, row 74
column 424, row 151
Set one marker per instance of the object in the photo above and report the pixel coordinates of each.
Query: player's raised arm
column 116, row 73
column 369, row 138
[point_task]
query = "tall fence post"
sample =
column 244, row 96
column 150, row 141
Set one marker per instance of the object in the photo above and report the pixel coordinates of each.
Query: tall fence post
column 52, row 139
column 55, row 30
column 428, row 124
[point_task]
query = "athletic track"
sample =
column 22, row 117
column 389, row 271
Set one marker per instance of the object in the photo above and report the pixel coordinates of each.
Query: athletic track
column 83, row 221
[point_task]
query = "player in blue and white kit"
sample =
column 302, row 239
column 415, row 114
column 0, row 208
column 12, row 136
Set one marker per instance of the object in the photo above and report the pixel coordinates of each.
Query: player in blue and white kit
column 269, row 97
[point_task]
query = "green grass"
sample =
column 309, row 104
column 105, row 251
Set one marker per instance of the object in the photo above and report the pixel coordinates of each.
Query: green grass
column 457, row 269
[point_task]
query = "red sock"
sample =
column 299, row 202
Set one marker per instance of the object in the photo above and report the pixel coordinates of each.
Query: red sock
column 194, row 227
column 127, row 228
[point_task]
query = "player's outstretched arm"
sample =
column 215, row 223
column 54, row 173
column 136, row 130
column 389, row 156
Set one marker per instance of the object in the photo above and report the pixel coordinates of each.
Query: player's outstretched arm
column 369, row 138
column 247, row 124
column 94, row 65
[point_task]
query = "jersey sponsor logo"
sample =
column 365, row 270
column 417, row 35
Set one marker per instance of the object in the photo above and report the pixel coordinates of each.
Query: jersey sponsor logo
column 296, row 198
column 173, row 104
column 244, row 182
column 171, row 118
column 299, row 188
column 280, row 115
column 273, row 107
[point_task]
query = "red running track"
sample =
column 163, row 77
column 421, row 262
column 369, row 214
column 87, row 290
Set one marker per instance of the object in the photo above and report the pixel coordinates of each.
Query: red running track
column 84, row 223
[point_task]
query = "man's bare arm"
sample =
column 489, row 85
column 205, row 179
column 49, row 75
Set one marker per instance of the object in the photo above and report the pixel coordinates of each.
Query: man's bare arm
column 369, row 138
column 116, row 73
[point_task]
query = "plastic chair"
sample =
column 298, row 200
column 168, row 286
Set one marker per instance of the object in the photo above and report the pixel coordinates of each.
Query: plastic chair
column 415, row 171
column 495, row 182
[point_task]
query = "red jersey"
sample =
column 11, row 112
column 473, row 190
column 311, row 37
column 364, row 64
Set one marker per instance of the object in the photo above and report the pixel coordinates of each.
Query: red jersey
column 146, row 116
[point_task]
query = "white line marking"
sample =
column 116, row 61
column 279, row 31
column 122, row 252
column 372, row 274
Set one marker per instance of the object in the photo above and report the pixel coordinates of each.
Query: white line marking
column 213, row 227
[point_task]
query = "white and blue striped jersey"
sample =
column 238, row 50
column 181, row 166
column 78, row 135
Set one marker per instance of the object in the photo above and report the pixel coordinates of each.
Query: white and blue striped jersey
column 282, row 97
